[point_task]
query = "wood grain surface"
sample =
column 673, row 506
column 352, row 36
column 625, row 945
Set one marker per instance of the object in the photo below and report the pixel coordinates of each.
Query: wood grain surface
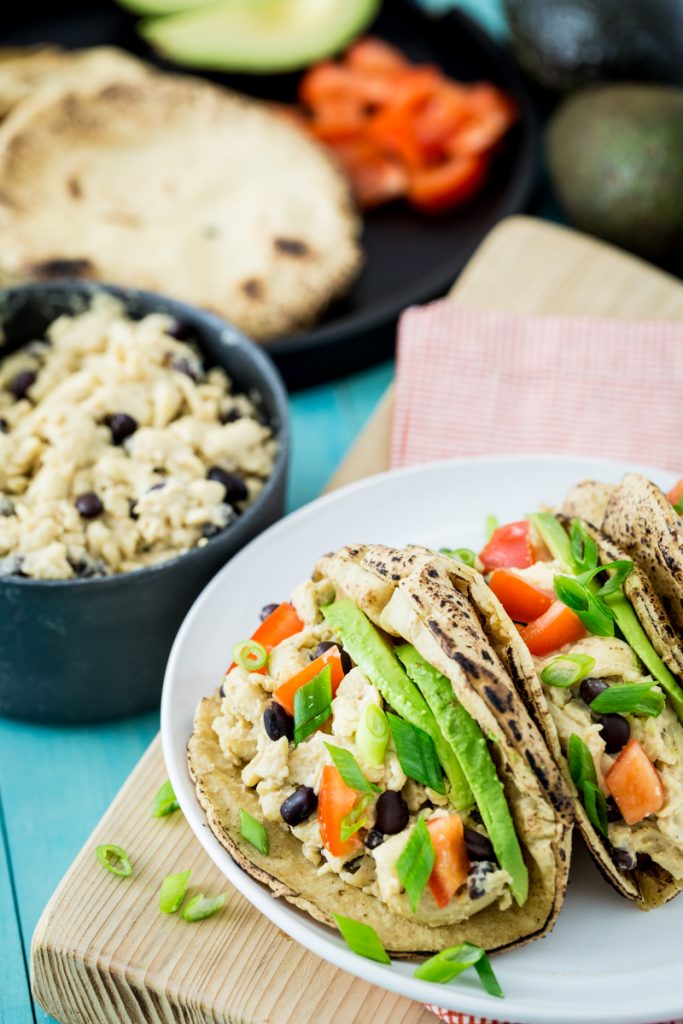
column 102, row 952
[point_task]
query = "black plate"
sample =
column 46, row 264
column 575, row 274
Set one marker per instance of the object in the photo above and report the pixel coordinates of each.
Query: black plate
column 410, row 257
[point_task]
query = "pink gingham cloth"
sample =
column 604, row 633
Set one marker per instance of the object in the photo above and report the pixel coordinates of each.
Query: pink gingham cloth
column 480, row 383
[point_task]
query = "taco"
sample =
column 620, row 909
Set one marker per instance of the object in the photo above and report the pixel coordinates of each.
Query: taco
column 599, row 666
column 395, row 777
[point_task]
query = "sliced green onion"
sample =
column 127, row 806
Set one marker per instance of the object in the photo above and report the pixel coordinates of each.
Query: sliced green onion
column 466, row 555
column 567, row 670
column 312, row 704
column 583, row 547
column 415, row 863
column 678, row 507
column 630, row 698
column 372, row 734
column 350, row 770
column 491, row 524
column 417, row 753
column 164, row 801
column 356, row 818
column 554, row 536
column 362, row 939
column 592, row 610
column 173, row 891
column 200, row 907
column 254, row 832
column 250, row 655
column 596, row 807
column 114, row 859
column 450, row 963
column 620, row 569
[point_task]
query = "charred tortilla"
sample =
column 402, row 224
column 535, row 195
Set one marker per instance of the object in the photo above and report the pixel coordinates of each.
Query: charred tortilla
column 433, row 608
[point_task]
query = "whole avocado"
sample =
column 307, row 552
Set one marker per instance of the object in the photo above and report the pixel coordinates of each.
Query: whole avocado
column 615, row 154
column 564, row 44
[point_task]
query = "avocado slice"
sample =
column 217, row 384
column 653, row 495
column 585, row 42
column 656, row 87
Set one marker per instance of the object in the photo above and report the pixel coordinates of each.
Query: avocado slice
column 258, row 35
column 624, row 614
column 375, row 657
column 152, row 7
column 469, row 743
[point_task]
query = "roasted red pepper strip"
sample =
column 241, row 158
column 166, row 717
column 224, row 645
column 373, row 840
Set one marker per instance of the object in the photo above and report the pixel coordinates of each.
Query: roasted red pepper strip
column 280, row 624
column 285, row 693
column 522, row 600
column 509, row 548
column 335, row 800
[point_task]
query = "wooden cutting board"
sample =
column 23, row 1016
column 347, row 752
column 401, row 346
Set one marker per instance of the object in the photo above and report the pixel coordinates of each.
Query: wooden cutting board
column 102, row 951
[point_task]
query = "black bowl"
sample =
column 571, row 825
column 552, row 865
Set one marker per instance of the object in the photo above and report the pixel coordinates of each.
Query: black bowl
column 92, row 649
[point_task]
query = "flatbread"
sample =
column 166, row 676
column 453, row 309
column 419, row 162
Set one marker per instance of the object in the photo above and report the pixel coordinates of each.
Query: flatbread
column 23, row 69
column 175, row 185
column 525, row 767
column 587, row 500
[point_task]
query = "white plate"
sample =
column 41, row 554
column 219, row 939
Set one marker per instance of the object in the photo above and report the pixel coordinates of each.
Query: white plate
column 605, row 961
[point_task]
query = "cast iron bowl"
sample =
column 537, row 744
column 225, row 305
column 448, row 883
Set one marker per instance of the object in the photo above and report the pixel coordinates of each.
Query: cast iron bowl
column 92, row 649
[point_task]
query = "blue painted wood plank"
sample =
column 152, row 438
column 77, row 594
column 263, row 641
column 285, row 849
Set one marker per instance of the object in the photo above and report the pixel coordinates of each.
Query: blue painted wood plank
column 15, row 997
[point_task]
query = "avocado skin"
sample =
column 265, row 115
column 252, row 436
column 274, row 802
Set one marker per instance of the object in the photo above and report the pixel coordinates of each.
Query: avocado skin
column 563, row 44
column 615, row 154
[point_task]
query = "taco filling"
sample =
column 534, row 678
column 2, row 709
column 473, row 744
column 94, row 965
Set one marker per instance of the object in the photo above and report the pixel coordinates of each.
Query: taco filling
column 375, row 779
column 615, row 707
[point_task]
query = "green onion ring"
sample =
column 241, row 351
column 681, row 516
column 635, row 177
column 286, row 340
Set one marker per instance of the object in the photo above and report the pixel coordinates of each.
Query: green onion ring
column 250, row 655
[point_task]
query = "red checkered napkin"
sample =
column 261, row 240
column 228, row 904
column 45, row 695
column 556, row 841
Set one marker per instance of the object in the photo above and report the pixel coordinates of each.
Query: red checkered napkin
column 479, row 383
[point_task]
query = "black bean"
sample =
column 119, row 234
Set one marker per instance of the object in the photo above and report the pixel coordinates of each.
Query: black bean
column 476, row 884
column 231, row 416
column 20, row 384
column 325, row 645
column 184, row 365
column 89, row 505
column 133, row 509
column 613, row 812
column 352, row 866
column 478, row 846
column 267, row 610
column 299, row 806
column 373, row 839
column 624, row 859
column 277, row 722
column 4, row 426
column 180, row 329
column 121, row 425
column 391, row 813
column 615, row 732
column 235, row 487
column 590, row 688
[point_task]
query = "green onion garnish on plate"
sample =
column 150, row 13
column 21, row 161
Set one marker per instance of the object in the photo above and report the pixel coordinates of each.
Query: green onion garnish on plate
column 254, row 832
column 356, row 818
column 619, row 571
column 200, row 907
column 415, row 863
column 491, row 524
column 362, row 939
column 372, row 734
column 164, row 801
column 567, row 670
column 629, row 699
column 417, row 753
column 350, row 770
column 591, row 609
column 312, row 705
column 114, row 859
column 173, row 891
column 450, row 963
column 250, row 655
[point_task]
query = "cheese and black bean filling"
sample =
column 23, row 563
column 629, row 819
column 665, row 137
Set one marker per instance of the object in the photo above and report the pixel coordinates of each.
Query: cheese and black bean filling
column 367, row 831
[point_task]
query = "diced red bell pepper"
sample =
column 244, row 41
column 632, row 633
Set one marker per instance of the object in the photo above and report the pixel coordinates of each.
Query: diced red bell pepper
column 284, row 694
column 635, row 783
column 335, row 800
column 675, row 495
column 522, row 600
column 374, row 55
column 446, row 184
column 375, row 177
column 509, row 547
column 552, row 630
column 451, row 863
column 279, row 625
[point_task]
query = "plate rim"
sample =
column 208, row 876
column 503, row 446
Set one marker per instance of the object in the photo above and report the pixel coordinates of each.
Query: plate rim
column 465, row 998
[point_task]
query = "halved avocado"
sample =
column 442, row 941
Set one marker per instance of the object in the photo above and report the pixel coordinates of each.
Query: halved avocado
column 258, row 35
column 152, row 7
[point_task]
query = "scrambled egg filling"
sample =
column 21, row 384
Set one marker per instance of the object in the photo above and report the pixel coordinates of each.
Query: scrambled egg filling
column 276, row 768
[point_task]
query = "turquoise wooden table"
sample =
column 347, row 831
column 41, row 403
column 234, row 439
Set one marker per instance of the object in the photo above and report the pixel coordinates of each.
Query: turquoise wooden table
column 55, row 783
